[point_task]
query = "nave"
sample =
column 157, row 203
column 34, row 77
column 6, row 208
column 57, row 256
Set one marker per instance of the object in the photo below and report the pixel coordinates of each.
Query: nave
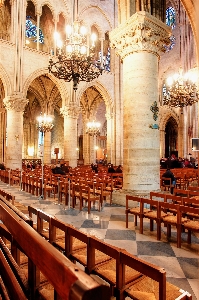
column 181, row 265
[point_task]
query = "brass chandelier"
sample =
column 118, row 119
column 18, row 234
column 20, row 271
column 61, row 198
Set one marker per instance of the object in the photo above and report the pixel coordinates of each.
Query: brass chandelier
column 45, row 123
column 93, row 128
column 180, row 90
column 75, row 59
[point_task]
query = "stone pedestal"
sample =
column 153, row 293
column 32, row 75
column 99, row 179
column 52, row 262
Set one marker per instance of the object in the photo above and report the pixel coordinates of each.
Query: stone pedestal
column 139, row 41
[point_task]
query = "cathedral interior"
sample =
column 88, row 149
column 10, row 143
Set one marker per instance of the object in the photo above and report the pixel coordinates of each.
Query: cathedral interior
column 137, row 46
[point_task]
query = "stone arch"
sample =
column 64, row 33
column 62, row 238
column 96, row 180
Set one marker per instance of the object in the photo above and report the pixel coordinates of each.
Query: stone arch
column 167, row 113
column 60, row 84
column 99, row 10
column 102, row 90
column 47, row 3
column 6, row 81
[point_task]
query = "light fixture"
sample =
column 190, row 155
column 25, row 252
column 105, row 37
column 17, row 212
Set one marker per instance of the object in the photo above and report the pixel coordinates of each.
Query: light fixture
column 180, row 90
column 74, row 59
column 93, row 128
column 44, row 123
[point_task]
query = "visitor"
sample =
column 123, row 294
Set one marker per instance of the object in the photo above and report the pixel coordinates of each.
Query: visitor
column 111, row 168
column 169, row 174
column 118, row 169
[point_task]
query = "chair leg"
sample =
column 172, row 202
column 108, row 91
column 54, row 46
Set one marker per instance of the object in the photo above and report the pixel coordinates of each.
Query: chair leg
column 127, row 219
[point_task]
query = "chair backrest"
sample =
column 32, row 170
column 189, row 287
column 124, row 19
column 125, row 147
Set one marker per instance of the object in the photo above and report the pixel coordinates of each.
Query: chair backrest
column 157, row 196
column 156, row 273
column 181, row 192
column 173, row 199
column 132, row 198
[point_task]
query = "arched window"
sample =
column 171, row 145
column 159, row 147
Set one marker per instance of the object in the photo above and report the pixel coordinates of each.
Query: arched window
column 171, row 17
column 171, row 21
column 31, row 30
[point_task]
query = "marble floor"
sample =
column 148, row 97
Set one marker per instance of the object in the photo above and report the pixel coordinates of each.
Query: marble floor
column 181, row 265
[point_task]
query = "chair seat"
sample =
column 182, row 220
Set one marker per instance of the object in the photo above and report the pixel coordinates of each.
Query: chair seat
column 145, row 288
column 190, row 224
column 81, row 256
column 151, row 214
column 137, row 210
column 107, row 271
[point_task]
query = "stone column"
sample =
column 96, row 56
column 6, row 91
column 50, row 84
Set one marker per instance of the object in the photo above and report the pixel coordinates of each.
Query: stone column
column 2, row 133
column 86, row 143
column 162, row 143
column 47, row 148
column 109, row 143
column 70, row 114
column 38, row 25
column 139, row 41
column 15, row 106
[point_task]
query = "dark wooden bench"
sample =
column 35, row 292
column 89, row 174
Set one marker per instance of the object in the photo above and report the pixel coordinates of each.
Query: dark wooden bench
column 65, row 279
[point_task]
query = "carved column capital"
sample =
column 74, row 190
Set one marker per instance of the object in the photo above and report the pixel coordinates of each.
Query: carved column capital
column 71, row 111
column 15, row 102
column 141, row 32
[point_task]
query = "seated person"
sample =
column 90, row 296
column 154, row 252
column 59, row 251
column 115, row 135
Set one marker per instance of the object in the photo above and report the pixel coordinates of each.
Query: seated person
column 58, row 170
column 65, row 168
column 2, row 167
column 119, row 169
column 169, row 174
column 111, row 169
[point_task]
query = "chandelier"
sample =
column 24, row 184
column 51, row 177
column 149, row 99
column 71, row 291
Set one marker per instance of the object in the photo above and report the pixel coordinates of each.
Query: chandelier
column 93, row 128
column 75, row 59
column 180, row 90
column 44, row 123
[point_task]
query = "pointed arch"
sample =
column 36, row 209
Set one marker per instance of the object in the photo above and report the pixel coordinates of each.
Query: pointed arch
column 6, row 80
column 59, row 83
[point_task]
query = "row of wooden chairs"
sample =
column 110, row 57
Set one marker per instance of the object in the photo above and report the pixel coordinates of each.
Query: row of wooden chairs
column 181, row 212
column 124, row 272
column 37, row 270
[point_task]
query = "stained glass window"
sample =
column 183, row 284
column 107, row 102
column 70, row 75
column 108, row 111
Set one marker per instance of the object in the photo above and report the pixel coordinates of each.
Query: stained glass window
column 31, row 30
column 171, row 17
column 106, row 60
column 171, row 21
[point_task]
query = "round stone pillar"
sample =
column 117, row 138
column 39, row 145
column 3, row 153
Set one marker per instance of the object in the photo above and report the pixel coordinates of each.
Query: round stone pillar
column 70, row 114
column 110, row 132
column 139, row 42
column 47, row 148
column 15, row 106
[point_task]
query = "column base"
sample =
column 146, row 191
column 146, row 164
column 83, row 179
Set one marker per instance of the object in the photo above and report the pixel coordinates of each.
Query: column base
column 119, row 196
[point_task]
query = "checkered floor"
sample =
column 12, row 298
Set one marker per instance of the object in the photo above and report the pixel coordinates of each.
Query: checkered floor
column 181, row 265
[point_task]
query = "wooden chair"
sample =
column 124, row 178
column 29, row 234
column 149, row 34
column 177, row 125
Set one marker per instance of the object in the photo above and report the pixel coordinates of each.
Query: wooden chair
column 152, row 214
column 186, row 223
column 168, row 218
column 158, row 196
column 58, row 234
column 110, row 269
column 88, row 197
column 43, row 224
column 152, row 284
column 166, row 184
column 137, row 211
column 181, row 192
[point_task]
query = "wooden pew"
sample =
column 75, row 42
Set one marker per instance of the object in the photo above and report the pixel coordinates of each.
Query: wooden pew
column 67, row 280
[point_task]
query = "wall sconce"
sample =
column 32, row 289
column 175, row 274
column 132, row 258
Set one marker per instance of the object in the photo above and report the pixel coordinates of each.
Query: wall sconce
column 17, row 137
